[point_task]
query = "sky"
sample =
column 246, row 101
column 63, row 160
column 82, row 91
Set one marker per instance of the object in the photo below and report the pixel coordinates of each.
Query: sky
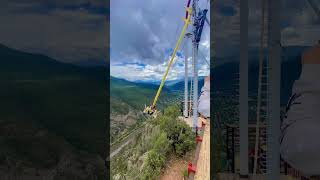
column 143, row 34
column 72, row 31
column 298, row 25
column 142, row 31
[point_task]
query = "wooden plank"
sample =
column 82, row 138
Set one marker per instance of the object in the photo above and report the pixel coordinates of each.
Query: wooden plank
column 231, row 176
column 203, row 164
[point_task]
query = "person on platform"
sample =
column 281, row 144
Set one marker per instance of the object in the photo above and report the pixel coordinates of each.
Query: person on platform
column 300, row 128
column 204, row 100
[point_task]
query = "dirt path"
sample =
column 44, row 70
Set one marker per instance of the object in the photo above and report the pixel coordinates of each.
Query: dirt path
column 117, row 148
column 176, row 167
column 174, row 170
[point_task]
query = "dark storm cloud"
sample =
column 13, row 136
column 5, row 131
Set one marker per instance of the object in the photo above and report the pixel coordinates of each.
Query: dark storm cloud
column 144, row 30
column 299, row 25
column 226, row 27
column 303, row 28
column 71, row 31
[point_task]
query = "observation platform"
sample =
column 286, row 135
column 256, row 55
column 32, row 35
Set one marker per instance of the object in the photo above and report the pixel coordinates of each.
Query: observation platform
column 202, row 155
column 233, row 176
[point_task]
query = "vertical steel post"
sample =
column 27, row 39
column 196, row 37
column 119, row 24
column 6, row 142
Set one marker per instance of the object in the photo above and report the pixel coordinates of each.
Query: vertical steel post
column 195, row 89
column 195, row 67
column 259, row 96
column 185, row 113
column 243, row 98
column 273, row 159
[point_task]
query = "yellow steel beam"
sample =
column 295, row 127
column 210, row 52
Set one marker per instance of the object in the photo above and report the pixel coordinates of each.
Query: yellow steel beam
column 186, row 23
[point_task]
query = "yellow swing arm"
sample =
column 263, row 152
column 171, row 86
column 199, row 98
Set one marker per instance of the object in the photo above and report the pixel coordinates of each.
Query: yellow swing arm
column 186, row 23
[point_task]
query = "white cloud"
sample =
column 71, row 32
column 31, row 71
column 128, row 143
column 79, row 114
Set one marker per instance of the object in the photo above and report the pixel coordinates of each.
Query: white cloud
column 154, row 28
column 134, row 72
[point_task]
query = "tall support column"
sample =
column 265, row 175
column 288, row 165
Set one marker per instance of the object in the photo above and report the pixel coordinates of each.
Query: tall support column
column 185, row 112
column 191, row 91
column 195, row 67
column 259, row 96
column 243, row 98
column 195, row 88
column 273, row 159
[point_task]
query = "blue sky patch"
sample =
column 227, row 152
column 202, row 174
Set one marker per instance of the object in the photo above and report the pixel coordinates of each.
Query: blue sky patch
column 126, row 63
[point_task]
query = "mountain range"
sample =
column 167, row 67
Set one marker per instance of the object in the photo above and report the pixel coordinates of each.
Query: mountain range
column 225, row 76
column 56, row 111
column 52, row 117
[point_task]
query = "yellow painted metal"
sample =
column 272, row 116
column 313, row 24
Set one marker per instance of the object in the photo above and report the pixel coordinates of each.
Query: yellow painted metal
column 186, row 23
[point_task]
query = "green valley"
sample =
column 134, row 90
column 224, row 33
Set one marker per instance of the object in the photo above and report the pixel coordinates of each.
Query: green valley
column 52, row 117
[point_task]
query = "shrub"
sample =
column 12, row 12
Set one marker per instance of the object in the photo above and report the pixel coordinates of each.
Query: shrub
column 172, row 111
column 166, row 134
column 155, row 161
column 178, row 132
column 161, row 145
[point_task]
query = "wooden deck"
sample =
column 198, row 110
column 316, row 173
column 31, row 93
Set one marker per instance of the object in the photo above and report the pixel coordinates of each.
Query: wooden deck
column 230, row 176
column 203, row 163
